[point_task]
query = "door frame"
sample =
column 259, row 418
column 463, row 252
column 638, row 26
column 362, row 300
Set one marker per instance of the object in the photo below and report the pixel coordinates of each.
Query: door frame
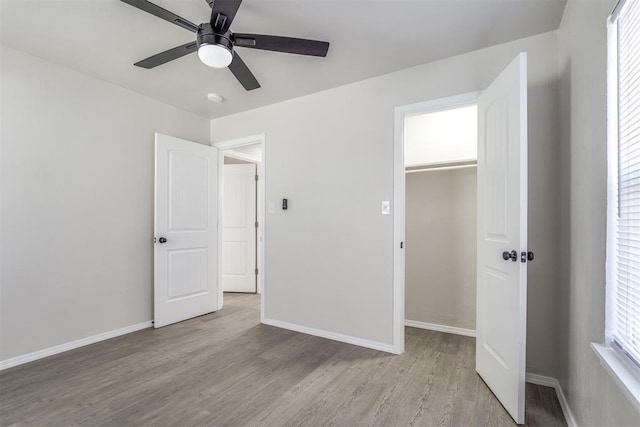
column 227, row 149
column 400, row 113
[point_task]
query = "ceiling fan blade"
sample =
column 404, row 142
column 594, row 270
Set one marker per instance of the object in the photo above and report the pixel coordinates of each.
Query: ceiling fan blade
column 153, row 9
column 167, row 55
column 223, row 12
column 243, row 73
column 282, row 44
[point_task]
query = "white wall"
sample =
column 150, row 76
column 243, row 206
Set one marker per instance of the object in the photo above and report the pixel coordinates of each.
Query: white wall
column 441, row 137
column 440, row 255
column 329, row 258
column 77, row 202
column 594, row 399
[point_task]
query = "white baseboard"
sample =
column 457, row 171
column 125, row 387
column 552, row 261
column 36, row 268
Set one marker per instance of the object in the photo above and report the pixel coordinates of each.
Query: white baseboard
column 553, row 382
column 30, row 357
column 440, row 328
column 541, row 380
column 330, row 335
column 564, row 404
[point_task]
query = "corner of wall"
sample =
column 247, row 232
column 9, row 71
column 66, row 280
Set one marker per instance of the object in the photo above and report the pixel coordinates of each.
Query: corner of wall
column 212, row 125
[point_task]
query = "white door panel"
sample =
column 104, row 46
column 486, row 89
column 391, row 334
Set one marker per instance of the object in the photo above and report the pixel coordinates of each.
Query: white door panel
column 502, row 227
column 185, row 272
column 239, row 234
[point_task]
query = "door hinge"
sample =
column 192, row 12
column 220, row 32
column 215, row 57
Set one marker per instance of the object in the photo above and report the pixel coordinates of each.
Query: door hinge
column 256, row 224
column 256, row 177
column 256, row 271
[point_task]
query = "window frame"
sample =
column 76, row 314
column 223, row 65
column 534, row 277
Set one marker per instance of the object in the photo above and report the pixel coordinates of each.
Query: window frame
column 617, row 362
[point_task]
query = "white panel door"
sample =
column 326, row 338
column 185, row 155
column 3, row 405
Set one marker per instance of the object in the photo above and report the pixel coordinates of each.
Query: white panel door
column 185, row 255
column 502, row 232
column 239, row 234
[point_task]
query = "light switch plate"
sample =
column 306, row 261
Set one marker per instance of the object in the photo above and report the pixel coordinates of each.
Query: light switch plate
column 386, row 207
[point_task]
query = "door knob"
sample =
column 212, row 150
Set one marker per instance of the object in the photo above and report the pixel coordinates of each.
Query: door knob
column 526, row 256
column 513, row 256
column 162, row 240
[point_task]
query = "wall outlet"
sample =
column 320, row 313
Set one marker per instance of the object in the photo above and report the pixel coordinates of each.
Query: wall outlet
column 386, row 207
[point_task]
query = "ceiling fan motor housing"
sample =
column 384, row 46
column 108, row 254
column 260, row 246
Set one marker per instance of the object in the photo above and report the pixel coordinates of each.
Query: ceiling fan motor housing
column 206, row 35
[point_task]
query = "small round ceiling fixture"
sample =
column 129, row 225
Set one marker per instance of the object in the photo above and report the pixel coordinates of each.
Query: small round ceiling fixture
column 214, row 97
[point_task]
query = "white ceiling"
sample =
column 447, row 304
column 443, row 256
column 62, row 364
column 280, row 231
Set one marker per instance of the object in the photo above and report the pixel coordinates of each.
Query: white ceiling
column 103, row 38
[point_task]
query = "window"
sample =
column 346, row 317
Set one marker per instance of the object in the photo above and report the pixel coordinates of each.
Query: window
column 625, row 327
column 621, row 356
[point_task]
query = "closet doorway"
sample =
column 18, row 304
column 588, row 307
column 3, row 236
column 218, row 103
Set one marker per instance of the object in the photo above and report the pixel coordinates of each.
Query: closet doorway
column 440, row 219
column 501, row 237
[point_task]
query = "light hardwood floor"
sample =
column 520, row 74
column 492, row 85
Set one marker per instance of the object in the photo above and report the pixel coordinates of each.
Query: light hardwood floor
column 226, row 369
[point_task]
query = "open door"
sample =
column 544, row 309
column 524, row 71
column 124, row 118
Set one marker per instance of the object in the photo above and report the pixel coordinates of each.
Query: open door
column 239, row 233
column 502, row 237
column 186, row 209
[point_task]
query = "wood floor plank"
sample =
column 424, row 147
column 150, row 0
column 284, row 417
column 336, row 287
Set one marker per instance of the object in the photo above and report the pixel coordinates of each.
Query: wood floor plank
column 226, row 369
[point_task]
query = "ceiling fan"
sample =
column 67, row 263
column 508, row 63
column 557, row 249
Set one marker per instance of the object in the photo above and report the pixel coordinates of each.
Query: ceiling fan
column 215, row 41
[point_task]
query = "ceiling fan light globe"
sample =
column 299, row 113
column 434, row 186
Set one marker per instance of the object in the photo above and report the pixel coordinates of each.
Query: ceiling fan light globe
column 214, row 55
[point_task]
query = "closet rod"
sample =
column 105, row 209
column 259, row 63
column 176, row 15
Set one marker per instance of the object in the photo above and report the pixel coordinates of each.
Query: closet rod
column 442, row 166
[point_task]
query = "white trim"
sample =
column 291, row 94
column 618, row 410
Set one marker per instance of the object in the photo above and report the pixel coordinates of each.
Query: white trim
column 330, row 335
column 400, row 113
column 261, row 225
column 441, row 168
column 240, row 142
column 226, row 147
column 219, row 218
column 242, row 156
column 564, row 404
column 30, row 357
column 398, row 232
column 612, row 180
column 541, row 380
column 441, row 328
column 460, row 162
column 621, row 370
column 440, row 104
